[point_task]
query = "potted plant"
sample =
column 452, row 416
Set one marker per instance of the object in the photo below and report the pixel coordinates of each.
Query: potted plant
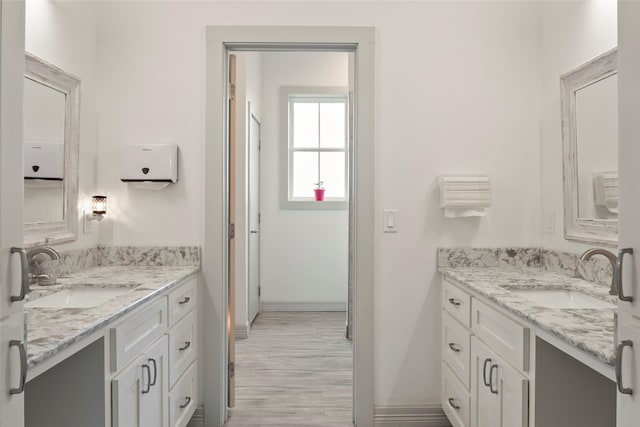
column 319, row 191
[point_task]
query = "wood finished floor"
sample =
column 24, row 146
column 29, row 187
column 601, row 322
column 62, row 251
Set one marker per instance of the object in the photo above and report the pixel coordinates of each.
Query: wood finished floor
column 295, row 369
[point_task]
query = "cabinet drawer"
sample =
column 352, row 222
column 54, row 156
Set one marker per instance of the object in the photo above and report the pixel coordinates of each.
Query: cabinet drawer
column 456, row 346
column 458, row 303
column 504, row 335
column 455, row 399
column 136, row 332
column 183, row 398
column 182, row 346
column 182, row 300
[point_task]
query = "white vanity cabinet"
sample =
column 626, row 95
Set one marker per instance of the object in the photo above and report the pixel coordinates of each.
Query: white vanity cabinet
column 153, row 361
column 499, row 392
column 139, row 392
column 485, row 359
column 183, row 350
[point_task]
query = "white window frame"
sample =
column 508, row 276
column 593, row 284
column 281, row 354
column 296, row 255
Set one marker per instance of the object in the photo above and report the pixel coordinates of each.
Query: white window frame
column 288, row 95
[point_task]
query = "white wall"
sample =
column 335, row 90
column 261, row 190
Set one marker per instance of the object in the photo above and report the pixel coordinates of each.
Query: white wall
column 248, row 90
column 304, row 253
column 66, row 35
column 457, row 91
column 573, row 33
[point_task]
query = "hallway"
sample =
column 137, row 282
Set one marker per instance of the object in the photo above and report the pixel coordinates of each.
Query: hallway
column 294, row 370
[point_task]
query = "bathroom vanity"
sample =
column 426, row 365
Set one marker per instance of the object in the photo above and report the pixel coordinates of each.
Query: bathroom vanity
column 526, row 347
column 119, row 348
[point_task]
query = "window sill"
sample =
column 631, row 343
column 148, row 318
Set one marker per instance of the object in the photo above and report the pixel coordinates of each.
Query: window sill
column 311, row 205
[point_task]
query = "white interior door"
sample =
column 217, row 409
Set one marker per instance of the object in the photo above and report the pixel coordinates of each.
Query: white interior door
column 12, row 350
column 628, row 345
column 254, row 216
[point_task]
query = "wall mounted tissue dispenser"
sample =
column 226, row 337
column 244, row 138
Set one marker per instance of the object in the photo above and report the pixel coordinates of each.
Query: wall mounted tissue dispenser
column 463, row 196
column 150, row 163
column 44, row 160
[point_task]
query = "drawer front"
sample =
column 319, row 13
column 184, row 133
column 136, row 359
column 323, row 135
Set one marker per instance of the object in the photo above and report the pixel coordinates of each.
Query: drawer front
column 504, row 335
column 456, row 347
column 182, row 300
column 183, row 398
column 458, row 303
column 134, row 334
column 183, row 348
column 456, row 402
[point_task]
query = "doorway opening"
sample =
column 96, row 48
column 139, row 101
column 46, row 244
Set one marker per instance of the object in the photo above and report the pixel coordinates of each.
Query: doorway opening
column 220, row 42
column 292, row 357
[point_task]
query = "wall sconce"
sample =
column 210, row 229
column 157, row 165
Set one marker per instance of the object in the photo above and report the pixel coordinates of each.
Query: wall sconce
column 96, row 213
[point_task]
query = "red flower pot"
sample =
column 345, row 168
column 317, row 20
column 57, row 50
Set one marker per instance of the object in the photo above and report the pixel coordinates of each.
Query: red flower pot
column 319, row 194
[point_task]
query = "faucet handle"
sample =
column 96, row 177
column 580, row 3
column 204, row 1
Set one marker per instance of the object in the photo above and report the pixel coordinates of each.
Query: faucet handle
column 618, row 274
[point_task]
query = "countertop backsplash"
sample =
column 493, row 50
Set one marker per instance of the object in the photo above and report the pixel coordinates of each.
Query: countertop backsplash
column 76, row 260
column 597, row 269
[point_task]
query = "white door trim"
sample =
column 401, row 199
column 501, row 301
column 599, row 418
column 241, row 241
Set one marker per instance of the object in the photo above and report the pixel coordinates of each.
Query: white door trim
column 219, row 40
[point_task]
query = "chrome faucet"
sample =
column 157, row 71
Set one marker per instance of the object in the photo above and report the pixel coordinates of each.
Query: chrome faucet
column 37, row 273
column 586, row 256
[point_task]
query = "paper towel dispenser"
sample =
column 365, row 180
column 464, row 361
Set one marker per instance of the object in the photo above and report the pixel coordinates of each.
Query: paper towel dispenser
column 150, row 163
column 44, row 160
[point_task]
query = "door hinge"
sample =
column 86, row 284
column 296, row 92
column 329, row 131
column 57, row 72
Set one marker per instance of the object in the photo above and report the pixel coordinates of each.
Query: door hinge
column 232, row 231
column 259, row 218
column 259, row 290
column 259, row 143
column 232, row 369
column 232, row 91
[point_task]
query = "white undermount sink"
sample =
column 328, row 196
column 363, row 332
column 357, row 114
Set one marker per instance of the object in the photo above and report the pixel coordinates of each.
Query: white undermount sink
column 80, row 297
column 561, row 298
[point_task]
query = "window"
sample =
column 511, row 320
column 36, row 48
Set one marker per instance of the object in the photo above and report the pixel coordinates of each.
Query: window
column 317, row 135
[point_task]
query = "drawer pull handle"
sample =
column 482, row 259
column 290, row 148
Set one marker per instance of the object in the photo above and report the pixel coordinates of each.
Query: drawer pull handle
column 148, row 369
column 24, row 281
column 187, row 344
column 618, row 275
column 455, row 347
column 23, row 365
column 619, row 352
column 455, row 302
column 155, row 372
column 491, row 379
column 452, row 404
column 186, row 403
column 184, row 301
column 484, row 372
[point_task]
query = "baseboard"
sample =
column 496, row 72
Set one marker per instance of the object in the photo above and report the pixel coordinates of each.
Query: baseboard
column 197, row 420
column 303, row 306
column 242, row 331
column 410, row 416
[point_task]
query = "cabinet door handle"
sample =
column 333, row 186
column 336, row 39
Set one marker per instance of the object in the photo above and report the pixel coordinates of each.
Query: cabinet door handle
column 454, row 347
column 23, row 365
column 187, row 344
column 148, row 379
column 619, row 353
column 491, row 379
column 484, row 372
column 186, row 403
column 618, row 274
column 24, row 281
column 155, row 372
column 455, row 302
column 184, row 301
column 451, row 401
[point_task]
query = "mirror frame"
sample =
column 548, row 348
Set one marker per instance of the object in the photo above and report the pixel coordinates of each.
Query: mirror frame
column 586, row 230
column 65, row 230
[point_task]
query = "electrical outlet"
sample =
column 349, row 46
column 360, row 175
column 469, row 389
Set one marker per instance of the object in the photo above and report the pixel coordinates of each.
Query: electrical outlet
column 550, row 223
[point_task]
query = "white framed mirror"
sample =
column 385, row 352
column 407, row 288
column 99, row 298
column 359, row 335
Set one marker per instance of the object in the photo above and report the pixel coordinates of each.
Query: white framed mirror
column 51, row 138
column 589, row 98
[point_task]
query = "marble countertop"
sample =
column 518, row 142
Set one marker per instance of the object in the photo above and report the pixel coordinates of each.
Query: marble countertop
column 51, row 330
column 590, row 330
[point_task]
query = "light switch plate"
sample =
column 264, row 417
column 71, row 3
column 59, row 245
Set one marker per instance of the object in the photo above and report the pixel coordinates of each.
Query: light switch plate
column 390, row 220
